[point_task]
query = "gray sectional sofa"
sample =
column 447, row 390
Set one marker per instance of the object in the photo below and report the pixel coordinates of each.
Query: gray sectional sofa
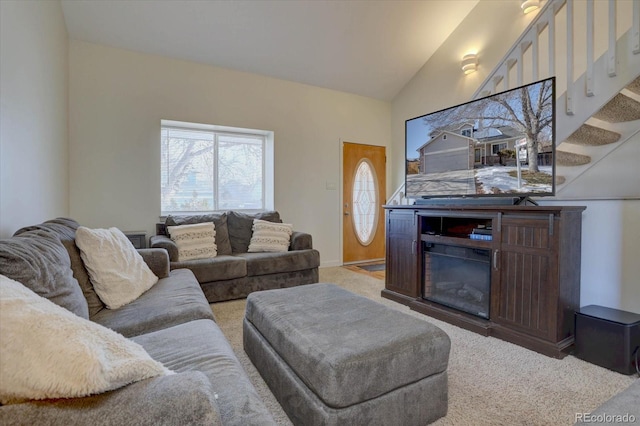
column 172, row 321
column 620, row 409
column 234, row 273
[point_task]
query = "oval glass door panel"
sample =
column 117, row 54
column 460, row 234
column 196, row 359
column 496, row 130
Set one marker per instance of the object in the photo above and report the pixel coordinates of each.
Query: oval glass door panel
column 364, row 212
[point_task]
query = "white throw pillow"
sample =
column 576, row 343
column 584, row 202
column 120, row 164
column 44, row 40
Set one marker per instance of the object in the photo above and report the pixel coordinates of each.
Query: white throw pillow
column 270, row 237
column 47, row 351
column 118, row 273
column 195, row 241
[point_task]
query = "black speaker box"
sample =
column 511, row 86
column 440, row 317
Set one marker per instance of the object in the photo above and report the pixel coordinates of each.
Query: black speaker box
column 608, row 338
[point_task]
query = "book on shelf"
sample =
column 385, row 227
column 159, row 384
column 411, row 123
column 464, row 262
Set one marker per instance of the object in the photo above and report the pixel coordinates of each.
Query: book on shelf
column 481, row 237
column 482, row 231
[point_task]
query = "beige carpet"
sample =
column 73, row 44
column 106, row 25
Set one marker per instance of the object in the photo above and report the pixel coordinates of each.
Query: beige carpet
column 491, row 382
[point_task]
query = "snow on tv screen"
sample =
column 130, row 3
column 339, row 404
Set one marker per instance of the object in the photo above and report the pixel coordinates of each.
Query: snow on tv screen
column 499, row 145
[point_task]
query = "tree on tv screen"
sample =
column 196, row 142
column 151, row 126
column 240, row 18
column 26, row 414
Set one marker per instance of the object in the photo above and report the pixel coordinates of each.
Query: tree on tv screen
column 528, row 109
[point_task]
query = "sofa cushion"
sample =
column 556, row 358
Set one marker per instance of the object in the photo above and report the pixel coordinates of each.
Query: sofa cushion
column 81, row 274
column 118, row 273
column 218, row 268
column 201, row 346
column 173, row 300
column 65, row 229
column 178, row 399
column 157, row 259
column 38, row 260
column 241, row 227
column 48, row 352
column 301, row 241
column 164, row 242
column 219, row 220
column 273, row 263
column 194, row 241
column 270, row 237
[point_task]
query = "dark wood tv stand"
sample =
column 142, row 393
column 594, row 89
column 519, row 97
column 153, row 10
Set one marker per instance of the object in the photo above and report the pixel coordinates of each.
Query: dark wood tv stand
column 535, row 267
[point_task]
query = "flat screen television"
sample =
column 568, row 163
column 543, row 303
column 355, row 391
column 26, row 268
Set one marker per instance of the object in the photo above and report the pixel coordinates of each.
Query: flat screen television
column 502, row 145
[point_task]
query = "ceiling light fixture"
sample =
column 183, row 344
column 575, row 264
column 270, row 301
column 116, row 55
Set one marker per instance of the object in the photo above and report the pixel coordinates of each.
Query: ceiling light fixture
column 530, row 5
column 469, row 63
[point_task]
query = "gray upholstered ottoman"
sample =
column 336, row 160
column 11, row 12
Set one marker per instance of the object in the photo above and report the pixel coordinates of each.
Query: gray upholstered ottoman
column 335, row 358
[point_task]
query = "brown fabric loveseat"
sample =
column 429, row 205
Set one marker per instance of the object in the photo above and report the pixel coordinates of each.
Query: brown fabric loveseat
column 234, row 273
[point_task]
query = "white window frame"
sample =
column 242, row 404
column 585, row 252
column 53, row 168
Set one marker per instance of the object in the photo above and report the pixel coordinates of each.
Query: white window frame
column 268, row 159
column 500, row 145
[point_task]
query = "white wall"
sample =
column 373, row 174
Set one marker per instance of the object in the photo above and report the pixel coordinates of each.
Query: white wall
column 441, row 84
column 118, row 97
column 33, row 114
column 610, row 229
column 610, row 245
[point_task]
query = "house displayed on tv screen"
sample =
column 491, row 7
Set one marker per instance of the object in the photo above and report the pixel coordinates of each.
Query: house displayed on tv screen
column 486, row 146
column 446, row 151
column 472, row 148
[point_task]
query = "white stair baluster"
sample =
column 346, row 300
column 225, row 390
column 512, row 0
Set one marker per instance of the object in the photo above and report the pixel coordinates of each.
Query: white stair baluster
column 611, row 53
column 590, row 35
column 534, row 56
column 551, row 23
column 635, row 33
column 507, row 80
column 519, row 65
column 570, row 89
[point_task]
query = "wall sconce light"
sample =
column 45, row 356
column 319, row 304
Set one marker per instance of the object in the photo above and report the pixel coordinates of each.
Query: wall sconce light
column 530, row 5
column 469, row 63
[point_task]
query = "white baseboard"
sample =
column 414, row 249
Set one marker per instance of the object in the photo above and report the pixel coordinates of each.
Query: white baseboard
column 330, row 263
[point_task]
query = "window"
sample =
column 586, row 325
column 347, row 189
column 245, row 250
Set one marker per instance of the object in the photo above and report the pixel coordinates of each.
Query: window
column 466, row 132
column 206, row 168
column 497, row 147
column 365, row 202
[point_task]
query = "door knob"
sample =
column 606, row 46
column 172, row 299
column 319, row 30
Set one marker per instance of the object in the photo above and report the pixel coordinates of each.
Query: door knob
column 346, row 213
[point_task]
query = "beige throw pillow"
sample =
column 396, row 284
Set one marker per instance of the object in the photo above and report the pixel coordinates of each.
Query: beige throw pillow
column 118, row 273
column 196, row 241
column 48, row 352
column 270, row 237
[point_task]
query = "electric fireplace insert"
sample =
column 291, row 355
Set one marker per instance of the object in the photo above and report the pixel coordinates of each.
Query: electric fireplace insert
column 457, row 277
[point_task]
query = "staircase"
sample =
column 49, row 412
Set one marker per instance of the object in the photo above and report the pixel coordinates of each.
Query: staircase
column 615, row 124
column 593, row 50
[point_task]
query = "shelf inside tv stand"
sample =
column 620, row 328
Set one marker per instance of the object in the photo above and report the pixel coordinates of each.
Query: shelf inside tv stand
column 456, row 241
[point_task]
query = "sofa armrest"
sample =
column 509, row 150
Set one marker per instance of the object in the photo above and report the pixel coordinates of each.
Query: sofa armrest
column 185, row 398
column 157, row 259
column 622, row 404
column 300, row 241
column 164, row 242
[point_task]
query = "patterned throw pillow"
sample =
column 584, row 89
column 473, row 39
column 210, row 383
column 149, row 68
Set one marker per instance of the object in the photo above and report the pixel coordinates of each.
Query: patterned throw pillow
column 196, row 241
column 270, row 237
column 223, row 244
column 241, row 227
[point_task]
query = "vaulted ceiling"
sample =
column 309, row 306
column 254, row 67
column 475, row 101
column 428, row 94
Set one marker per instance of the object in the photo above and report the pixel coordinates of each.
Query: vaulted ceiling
column 370, row 48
